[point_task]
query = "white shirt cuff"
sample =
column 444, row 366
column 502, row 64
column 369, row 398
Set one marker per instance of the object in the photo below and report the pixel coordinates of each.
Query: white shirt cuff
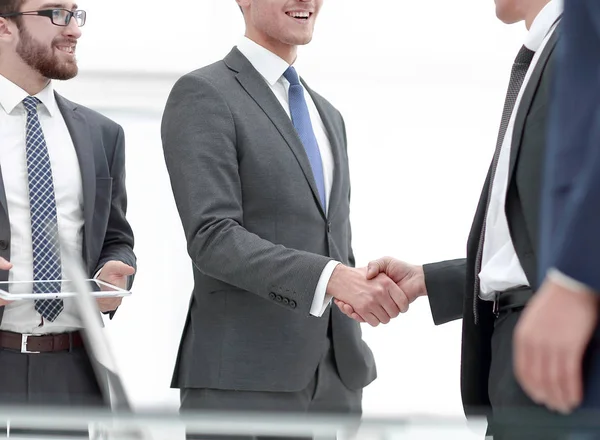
column 321, row 300
column 566, row 281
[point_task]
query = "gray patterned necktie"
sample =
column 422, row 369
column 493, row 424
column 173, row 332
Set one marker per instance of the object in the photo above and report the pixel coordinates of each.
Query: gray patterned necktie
column 44, row 221
column 518, row 73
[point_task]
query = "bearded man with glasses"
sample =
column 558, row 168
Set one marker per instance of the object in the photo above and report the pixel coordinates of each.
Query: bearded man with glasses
column 62, row 174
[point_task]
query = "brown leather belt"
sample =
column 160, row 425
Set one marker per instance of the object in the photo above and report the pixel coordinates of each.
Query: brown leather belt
column 40, row 343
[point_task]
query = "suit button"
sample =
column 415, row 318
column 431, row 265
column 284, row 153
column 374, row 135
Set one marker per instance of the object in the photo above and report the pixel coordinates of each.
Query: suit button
column 329, row 227
column 272, row 295
column 286, row 301
column 3, row 245
column 279, row 298
column 293, row 304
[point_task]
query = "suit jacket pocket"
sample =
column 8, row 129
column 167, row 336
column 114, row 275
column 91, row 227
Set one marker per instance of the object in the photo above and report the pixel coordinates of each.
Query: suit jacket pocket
column 230, row 290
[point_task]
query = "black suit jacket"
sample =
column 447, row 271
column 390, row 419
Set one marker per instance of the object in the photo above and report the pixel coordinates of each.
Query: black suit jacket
column 451, row 284
column 100, row 147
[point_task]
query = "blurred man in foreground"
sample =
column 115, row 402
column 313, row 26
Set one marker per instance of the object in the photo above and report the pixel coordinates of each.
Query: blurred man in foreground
column 557, row 341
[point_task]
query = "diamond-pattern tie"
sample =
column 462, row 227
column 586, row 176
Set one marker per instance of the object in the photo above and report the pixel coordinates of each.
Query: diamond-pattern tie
column 303, row 125
column 44, row 222
column 518, row 73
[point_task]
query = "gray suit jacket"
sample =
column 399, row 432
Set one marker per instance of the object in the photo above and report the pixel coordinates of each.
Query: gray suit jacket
column 100, row 147
column 257, row 235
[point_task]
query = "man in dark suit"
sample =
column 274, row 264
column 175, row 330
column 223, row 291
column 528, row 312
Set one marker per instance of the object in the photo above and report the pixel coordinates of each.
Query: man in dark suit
column 62, row 174
column 259, row 170
column 491, row 286
column 561, row 322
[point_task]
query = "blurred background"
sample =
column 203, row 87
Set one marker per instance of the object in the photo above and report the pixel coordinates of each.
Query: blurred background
column 421, row 85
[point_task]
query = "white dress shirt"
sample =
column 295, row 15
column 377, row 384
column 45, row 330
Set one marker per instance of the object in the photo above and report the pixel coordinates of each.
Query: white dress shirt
column 21, row 316
column 501, row 268
column 271, row 68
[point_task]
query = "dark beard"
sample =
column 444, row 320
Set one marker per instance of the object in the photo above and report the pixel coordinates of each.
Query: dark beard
column 42, row 59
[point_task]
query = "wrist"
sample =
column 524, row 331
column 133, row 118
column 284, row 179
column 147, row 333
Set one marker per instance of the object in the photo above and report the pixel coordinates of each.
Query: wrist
column 334, row 286
column 420, row 277
column 567, row 282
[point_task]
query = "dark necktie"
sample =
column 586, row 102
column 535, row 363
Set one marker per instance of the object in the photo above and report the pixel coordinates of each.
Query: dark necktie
column 44, row 221
column 303, row 125
column 518, row 73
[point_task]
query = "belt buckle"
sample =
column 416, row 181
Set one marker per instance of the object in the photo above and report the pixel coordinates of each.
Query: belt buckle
column 24, row 338
column 496, row 307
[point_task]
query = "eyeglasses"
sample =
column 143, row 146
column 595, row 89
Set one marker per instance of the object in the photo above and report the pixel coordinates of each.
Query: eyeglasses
column 59, row 17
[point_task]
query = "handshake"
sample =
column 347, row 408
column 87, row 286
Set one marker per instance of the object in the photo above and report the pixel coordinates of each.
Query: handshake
column 378, row 293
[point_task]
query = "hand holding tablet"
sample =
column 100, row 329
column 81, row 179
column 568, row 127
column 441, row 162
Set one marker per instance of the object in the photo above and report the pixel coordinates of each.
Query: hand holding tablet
column 13, row 290
column 114, row 274
column 109, row 287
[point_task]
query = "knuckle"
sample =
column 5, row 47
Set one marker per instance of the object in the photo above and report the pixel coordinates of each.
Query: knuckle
column 404, row 303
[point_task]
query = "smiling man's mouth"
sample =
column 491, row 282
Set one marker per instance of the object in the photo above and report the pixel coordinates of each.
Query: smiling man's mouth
column 300, row 15
column 67, row 49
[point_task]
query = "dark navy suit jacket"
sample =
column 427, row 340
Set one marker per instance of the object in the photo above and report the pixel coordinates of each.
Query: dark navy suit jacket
column 570, row 220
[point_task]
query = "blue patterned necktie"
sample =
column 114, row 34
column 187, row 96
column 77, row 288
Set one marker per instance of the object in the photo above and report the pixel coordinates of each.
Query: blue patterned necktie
column 301, row 120
column 44, row 222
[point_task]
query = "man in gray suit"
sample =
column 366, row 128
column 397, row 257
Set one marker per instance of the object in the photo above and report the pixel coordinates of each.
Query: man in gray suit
column 62, row 174
column 259, row 170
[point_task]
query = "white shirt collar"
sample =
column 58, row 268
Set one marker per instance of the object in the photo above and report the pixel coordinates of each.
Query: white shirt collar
column 11, row 95
column 269, row 65
column 543, row 23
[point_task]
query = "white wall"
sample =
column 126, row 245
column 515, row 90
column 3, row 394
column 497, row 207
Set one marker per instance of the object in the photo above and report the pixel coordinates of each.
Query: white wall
column 421, row 85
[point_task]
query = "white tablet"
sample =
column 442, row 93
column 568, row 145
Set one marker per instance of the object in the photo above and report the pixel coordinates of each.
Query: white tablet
column 13, row 290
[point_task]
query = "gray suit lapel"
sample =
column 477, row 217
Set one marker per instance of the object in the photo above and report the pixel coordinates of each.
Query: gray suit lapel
column 527, row 100
column 336, row 148
column 257, row 88
column 84, row 147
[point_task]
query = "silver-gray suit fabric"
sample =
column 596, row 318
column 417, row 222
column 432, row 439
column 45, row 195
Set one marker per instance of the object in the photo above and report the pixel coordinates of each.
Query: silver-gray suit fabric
column 257, row 236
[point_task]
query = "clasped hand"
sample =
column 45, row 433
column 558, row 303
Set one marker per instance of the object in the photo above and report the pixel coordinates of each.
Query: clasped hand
column 378, row 293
